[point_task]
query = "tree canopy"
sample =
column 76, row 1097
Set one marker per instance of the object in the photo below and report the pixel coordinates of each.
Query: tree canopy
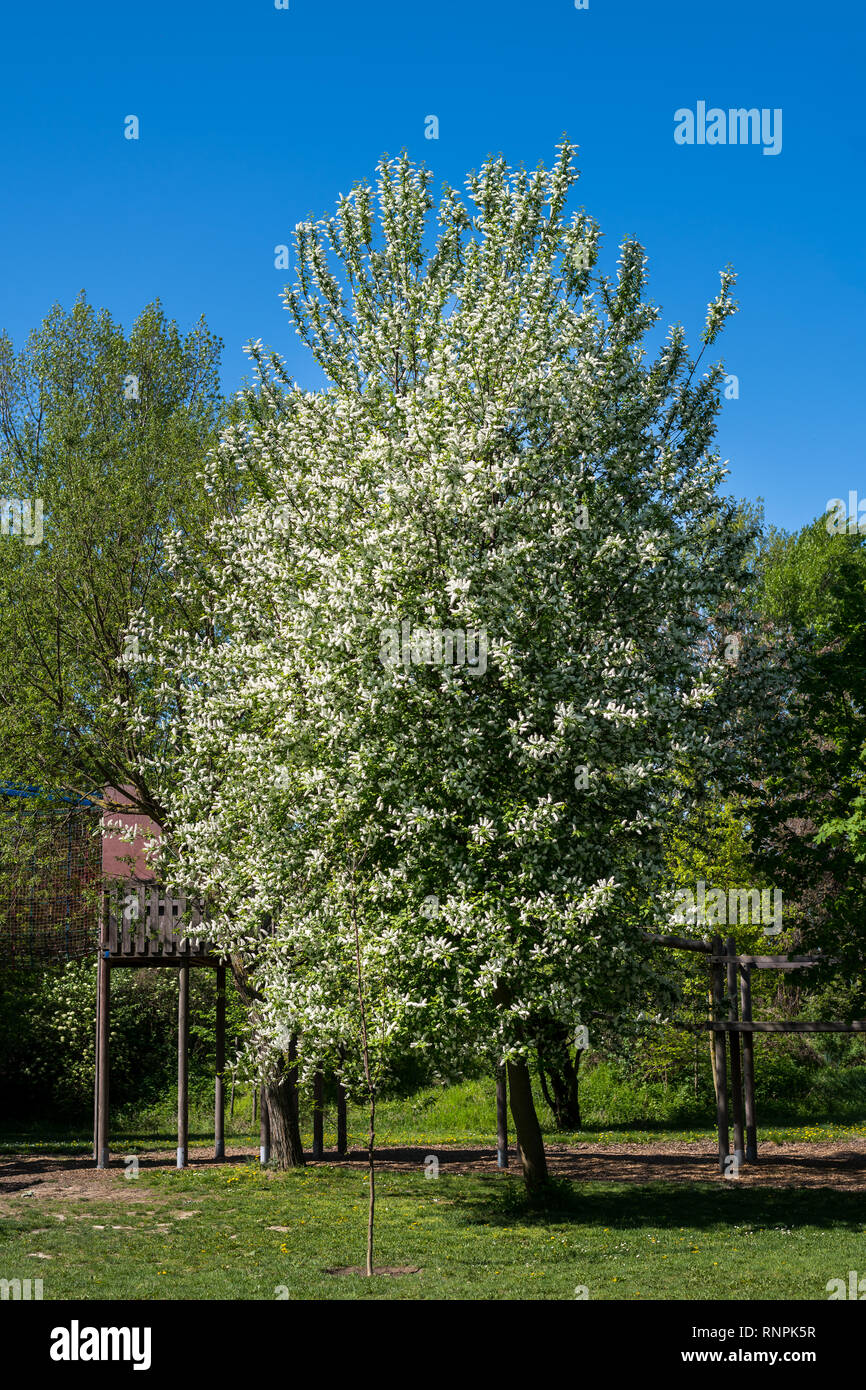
column 469, row 631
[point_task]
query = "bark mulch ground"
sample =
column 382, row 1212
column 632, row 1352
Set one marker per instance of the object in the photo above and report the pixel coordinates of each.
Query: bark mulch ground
column 839, row 1165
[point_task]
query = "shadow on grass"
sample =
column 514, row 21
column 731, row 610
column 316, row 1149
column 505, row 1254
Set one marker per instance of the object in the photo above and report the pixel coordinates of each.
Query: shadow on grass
column 665, row 1205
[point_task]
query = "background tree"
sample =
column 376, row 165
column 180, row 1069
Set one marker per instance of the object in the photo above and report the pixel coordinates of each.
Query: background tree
column 108, row 432
column 807, row 815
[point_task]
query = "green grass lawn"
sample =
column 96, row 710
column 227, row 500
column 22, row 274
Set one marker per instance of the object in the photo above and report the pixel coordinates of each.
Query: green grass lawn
column 458, row 1114
column 206, row 1235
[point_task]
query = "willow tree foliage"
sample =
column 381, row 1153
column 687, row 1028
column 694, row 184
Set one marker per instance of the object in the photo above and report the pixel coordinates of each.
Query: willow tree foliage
column 468, row 637
column 102, row 437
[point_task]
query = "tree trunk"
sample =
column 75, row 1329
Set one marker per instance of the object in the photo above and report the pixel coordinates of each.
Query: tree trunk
column 542, row 1077
column 281, row 1090
column 554, row 1062
column 526, row 1125
column 281, row 1093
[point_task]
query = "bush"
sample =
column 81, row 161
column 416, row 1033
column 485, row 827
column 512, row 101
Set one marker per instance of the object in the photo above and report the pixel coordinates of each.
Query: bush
column 47, row 1035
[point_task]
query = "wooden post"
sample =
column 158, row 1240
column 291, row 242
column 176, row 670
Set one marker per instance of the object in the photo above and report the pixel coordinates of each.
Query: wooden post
column 748, row 1065
column 501, row 1117
column 182, row 1064
column 720, row 1051
column 264, row 1129
column 219, row 1104
column 342, row 1137
column 736, row 1069
column 318, row 1115
column 104, row 994
column 96, row 1062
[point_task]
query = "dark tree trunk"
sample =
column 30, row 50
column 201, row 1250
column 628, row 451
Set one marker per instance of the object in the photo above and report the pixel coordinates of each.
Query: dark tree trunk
column 527, row 1130
column 554, row 1062
column 526, row 1125
column 281, row 1093
column 281, row 1089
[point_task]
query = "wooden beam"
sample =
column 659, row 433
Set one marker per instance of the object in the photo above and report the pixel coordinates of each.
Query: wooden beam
column 96, row 1064
column 138, row 928
column 681, row 943
column 114, row 907
column 748, row 1065
column 103, row 985
column 183, row 1066
column 736, row 1068
column 219, row 1103
column 778, row 962
column 789, row 1026
column 720, row 1054
column 157, row 962
column 689, row 943
column 342, row 1137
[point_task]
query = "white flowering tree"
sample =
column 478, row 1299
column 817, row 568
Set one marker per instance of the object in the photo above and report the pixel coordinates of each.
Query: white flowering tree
column 465, row 640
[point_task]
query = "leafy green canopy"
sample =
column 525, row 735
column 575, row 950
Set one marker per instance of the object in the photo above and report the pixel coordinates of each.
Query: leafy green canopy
column 108, row 433
column 809, row 817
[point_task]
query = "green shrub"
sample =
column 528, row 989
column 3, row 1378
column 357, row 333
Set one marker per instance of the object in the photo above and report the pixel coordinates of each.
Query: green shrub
column 47, row 1032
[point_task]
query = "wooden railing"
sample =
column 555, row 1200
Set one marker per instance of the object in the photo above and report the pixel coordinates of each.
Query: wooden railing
column 144, row 922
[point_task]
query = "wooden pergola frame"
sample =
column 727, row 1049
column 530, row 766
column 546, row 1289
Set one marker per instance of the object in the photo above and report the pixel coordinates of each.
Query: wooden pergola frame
column 728, row 1028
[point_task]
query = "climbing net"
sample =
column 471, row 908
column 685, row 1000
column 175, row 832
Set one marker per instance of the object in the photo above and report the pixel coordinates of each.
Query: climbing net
column 50, row 878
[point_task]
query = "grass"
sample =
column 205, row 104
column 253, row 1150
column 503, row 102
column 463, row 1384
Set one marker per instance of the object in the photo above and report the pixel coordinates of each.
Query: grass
column 457, row 1114
column 205, row 1235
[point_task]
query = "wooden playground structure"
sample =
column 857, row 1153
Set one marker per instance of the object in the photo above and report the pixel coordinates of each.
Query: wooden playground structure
column 142, row 927
column 152, row 934
column 732, row 1021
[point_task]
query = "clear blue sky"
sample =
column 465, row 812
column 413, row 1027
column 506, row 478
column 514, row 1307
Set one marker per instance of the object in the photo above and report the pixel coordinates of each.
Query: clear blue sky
column 253, row 117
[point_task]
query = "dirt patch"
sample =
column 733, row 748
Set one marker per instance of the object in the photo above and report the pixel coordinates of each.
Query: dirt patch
column 839, row 1164
column 68, row 1177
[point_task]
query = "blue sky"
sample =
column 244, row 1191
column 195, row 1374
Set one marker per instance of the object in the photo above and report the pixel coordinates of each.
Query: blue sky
column 253, row 117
